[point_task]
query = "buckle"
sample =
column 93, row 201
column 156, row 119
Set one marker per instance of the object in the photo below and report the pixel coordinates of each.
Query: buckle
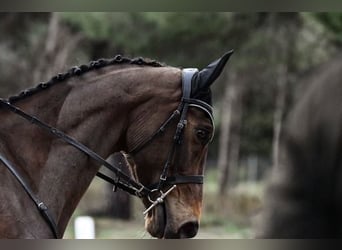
column 138, row 192
column 163, row 178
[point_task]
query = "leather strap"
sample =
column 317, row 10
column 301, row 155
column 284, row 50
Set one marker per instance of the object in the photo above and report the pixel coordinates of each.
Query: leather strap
column 187, row 75
column 136, row 187
column 183, row 179
column 43, row 209
column 179, row 179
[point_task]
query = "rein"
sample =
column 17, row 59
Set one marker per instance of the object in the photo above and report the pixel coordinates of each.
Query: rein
column 125, row 182
column 122, row 181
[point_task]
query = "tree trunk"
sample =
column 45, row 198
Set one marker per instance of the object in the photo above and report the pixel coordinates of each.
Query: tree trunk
column 119, row 202
column 234, row 143
column 282, row 80
column 50, row 48
column 59, row 43
column 284, row 42
column 229, row 144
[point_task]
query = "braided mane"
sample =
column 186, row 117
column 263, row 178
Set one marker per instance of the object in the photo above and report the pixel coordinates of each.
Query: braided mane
column 79, row 70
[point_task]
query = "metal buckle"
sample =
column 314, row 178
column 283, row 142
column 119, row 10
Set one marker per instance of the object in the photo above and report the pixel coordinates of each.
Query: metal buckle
column 42, row 206
column 138, row 192
column 162, row 178
column 159, row 199
column 115, row 187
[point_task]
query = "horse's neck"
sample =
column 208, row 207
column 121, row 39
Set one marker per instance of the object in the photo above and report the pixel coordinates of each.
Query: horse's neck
column 59, row 173
column 96, row 119
column 25, row 143
column 96, row 112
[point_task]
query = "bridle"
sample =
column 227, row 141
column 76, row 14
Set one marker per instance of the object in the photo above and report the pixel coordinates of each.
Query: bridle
column 122, row 180
column 181, row 111
column 166, row 181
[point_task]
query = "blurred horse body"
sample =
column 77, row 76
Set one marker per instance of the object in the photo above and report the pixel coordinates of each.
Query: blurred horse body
column 304, row 197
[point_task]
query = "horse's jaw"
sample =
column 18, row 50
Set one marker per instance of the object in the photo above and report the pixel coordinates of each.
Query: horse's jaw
column 155, row 221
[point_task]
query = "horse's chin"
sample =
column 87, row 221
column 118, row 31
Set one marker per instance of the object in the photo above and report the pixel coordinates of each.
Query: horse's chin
column 161, row 223
column 155, row 221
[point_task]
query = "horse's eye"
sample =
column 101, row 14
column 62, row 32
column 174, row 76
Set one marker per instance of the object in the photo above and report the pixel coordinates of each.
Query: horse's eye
column 202, row 135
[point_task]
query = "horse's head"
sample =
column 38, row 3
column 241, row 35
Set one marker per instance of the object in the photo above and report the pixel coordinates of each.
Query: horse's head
column 176, row 152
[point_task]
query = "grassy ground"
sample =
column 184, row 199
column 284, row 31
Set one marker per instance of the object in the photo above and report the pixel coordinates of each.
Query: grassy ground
column 226, row 217
column 118, row 229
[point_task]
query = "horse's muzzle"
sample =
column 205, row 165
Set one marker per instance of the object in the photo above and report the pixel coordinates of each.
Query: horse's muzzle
column 187, row 230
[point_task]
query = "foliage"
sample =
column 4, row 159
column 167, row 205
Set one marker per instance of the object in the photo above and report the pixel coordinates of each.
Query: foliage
column 333, row 24
column 186, row 39
column 19, row 43
column 125, row 32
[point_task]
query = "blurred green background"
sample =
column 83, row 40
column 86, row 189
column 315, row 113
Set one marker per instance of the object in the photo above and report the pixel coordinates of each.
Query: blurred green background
column 274, row 52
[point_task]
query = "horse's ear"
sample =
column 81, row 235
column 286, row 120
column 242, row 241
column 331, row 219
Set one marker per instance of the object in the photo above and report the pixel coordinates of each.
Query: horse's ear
column 209, row 74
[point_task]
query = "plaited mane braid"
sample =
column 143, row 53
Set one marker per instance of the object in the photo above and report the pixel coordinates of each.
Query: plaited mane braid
column 79, row 70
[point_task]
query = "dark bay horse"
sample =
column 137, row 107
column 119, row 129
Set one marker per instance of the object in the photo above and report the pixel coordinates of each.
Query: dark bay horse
column 48, row 135
column 304, row 196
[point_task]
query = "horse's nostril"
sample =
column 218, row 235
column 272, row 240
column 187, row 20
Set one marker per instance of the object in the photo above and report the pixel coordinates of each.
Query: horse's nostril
column 188, row 230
